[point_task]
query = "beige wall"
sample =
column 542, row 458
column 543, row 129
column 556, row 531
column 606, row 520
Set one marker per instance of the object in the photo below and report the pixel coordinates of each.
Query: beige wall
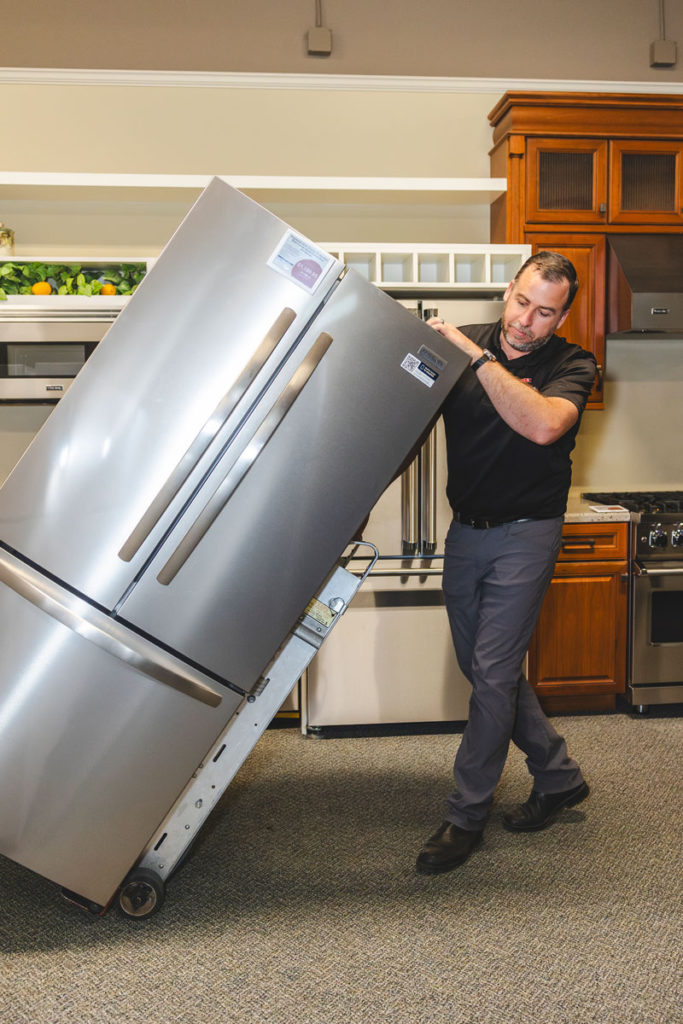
column 196, row 130
column 634, row 443
column 553, row 39
column 188, row 130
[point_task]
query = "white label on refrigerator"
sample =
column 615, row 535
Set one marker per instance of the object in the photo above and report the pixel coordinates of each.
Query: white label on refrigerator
column 420, row 370
column 301, row 261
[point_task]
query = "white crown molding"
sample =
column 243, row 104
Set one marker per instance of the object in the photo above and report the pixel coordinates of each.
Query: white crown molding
column 357, row 83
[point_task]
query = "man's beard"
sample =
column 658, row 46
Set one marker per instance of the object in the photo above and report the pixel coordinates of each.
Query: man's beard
column 524, row 346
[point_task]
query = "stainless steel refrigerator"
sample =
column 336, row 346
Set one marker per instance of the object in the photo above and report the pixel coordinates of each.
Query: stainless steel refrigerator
column 391, row 659
column 165, row 532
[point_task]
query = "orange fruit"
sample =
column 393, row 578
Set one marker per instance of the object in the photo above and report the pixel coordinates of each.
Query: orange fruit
column 42, row 288
column 107, row 289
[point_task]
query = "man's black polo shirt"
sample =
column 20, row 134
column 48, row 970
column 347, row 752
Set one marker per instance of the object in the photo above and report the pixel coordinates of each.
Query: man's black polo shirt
column 494, row 472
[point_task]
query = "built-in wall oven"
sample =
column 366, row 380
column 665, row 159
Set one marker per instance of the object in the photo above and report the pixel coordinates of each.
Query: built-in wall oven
column 655, row 663
column 41, row 353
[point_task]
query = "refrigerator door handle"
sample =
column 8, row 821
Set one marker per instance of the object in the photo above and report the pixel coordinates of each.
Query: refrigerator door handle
column 410, row 509
column 239, row 470
column 100, row 629
column 201, row 442
column 428, row 537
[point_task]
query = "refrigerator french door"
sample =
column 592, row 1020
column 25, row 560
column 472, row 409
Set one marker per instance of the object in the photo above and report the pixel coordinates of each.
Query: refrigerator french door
column 391, row 658
column 171, row 521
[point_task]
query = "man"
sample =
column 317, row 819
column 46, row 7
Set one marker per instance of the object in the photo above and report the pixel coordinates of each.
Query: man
column 511, row 422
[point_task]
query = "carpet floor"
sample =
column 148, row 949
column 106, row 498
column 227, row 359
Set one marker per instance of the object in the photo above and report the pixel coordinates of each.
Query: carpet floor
column 299, row 903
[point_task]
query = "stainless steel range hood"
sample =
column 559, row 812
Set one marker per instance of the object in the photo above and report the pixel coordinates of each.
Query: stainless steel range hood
column 645, row 285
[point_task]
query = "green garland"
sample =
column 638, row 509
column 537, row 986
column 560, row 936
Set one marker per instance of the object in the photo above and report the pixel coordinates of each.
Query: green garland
column 69, row 278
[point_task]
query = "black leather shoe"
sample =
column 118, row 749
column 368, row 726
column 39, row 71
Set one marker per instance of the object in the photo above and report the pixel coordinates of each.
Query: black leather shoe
column 542, row 808
column 446, row 849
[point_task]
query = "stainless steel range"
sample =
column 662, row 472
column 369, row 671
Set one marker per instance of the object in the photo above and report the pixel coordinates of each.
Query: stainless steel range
column 655, row 664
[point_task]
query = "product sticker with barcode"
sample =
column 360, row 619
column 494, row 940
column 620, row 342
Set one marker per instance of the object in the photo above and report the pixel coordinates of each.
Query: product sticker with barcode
column 419, row 370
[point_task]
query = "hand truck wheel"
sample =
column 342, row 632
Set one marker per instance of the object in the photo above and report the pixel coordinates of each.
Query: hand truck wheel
column 141, row 894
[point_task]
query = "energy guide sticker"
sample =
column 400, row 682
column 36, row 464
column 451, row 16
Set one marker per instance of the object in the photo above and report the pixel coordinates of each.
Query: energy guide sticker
column 420, row 370
column 301, row 261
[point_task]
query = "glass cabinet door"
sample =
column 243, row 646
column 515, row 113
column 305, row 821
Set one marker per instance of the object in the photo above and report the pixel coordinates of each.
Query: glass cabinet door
column 645, row 182
column 566, row 181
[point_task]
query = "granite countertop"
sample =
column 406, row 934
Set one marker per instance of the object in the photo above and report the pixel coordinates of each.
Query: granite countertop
column 581, row 511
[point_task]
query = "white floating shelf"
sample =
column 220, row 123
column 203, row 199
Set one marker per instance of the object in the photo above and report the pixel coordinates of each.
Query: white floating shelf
column 61, row 307
column 482, row 190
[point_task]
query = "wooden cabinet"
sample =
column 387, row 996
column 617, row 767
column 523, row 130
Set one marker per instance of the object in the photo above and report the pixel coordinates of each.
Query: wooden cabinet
column 586, row 321
column 577, row 656
column 586, row 163
column 593, row 181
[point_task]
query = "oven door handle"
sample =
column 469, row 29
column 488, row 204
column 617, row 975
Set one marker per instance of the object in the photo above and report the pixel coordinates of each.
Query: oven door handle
column 641, row 570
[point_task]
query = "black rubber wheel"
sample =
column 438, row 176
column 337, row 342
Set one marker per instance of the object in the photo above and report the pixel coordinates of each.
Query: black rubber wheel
column 141, row 895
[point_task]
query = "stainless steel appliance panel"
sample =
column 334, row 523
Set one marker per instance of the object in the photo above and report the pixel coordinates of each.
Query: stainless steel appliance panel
column 390, row 659
column 657, row 631
column 92, row 752
column 387, row 526
column 149, row 392
column 246, row 582
column 40, row 358
column 655, row 644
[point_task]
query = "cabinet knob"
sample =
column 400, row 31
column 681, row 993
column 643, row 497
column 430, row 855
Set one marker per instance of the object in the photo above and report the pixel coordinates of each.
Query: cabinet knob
column 602, row 208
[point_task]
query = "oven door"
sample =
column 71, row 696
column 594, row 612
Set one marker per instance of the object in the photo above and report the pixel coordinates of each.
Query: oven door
column 657, row 633
column 39, row 359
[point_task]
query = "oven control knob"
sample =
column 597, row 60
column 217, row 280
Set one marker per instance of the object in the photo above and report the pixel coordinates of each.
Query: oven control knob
column 658, row 537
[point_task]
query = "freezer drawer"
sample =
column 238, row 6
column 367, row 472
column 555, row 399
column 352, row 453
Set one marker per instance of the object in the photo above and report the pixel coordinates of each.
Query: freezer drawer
column 92, row 752
column 390, row 660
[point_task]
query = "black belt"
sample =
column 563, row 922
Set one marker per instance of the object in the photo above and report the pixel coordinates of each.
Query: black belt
column 479, row 523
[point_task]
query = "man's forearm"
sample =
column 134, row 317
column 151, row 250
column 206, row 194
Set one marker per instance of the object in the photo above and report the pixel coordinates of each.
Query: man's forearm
column 531, row 414
column 525, row 410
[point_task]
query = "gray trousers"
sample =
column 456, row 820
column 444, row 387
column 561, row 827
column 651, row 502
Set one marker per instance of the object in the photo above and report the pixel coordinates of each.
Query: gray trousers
column 494, row 582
